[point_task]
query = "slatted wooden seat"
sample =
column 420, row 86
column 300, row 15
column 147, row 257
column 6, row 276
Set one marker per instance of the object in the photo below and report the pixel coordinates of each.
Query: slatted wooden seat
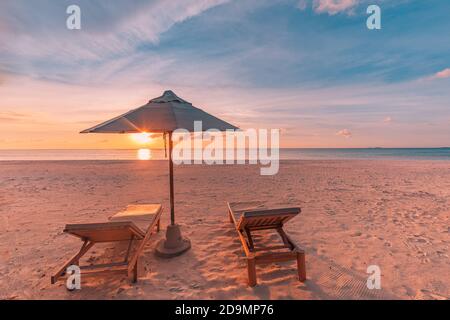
column 251, row 217
column 124, row 226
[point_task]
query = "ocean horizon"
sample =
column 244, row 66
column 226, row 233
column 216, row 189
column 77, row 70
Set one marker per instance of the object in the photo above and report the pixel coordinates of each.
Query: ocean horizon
column 442, row 153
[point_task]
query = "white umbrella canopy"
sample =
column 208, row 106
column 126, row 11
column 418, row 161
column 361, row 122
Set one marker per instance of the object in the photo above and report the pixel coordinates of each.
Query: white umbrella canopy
column 164, row 114
column 160, row 115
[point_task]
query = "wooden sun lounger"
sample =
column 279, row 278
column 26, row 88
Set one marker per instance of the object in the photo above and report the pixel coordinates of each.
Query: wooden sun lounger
column 247, row 220
column 136, row 224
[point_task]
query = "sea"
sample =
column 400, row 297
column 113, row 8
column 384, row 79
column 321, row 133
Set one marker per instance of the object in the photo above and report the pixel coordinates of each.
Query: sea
column 442, row 154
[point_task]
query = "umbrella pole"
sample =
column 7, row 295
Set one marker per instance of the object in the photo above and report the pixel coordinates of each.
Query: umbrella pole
column 172, row 205
column 174, row 244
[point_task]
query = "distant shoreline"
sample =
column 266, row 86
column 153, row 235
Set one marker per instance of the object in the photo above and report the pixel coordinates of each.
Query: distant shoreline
column 293, row 148
column 441, row 153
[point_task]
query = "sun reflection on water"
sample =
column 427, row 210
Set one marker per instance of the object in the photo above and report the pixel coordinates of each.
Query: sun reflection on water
column 144, row 154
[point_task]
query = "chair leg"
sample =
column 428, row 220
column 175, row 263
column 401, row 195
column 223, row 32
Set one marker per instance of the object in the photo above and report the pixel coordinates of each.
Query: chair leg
column 250, row 239
column 251, row 266
column 135, row 273
column 301, row 266
column 285, row 238
column 74, row 260
column 230, row 216
column 127, row 254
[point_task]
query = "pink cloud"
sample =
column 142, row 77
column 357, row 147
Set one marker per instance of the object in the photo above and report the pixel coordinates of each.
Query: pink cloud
column 344, row 133
column 441, row 74
column 333, row 7
column 387, row 120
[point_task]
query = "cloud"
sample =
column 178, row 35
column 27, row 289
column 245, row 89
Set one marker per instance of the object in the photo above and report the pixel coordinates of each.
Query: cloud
column 333, row 7
column 108, row 30
column 387, row 120
column 302, row 4
column 444, row 74
column 344, row 133
column 157, row 41
column 8, row 116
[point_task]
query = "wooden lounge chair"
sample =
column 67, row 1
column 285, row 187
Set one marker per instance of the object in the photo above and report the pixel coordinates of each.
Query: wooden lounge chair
column 248, row 218
column 135, row 225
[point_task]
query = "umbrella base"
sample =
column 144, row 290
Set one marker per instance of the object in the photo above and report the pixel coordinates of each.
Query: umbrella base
column 174, row 244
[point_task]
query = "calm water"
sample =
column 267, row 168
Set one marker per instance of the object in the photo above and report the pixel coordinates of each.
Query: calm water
column 302, row 154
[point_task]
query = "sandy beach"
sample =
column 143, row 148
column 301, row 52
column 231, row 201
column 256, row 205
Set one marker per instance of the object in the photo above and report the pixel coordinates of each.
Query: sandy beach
column 394, row 214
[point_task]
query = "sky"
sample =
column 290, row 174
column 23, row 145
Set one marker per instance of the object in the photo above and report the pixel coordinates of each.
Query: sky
column 310, row 68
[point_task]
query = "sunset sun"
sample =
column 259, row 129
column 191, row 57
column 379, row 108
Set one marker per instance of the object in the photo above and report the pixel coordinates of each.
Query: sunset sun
column 141, row 138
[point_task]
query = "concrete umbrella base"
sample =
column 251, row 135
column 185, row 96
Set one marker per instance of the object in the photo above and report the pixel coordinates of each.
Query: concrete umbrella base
column 174, row 244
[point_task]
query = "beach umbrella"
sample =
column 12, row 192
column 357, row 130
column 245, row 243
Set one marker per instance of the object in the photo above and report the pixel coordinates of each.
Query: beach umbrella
column 164, row 114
